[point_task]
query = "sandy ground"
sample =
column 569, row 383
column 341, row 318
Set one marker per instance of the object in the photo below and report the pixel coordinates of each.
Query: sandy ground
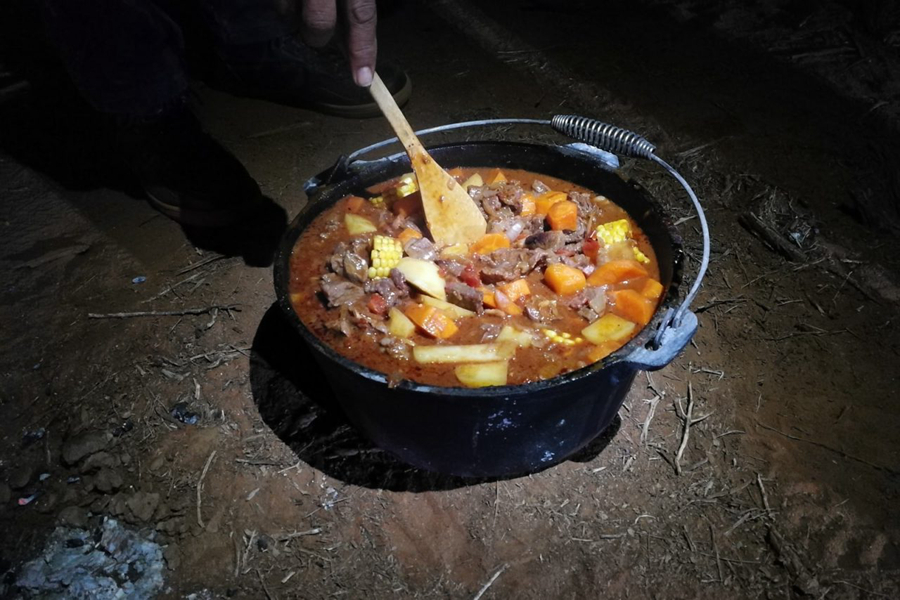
column 789, row 481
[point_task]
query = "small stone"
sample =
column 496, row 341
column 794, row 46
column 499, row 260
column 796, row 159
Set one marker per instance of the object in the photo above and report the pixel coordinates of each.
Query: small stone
column 108, row 480
column 118, row 505
column 125, row 458
column 73, row 516
column 143, row 505
column 262, row 542
column 5, row 493
column 100, row 460
column 83, row 444
column 172, row 556
column 99, row 505
column 158, row 463
column 47, row 503
column 21, row 476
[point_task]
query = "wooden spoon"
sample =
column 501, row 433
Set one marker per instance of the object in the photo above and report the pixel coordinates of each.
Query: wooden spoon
column 452, row 216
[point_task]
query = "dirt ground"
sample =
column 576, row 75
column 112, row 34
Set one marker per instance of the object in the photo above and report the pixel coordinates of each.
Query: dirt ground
column 789, row 476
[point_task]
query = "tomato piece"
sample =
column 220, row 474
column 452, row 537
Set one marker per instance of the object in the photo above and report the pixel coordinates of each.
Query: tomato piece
column 470, row 276
column 591, row 248
column 378, row 305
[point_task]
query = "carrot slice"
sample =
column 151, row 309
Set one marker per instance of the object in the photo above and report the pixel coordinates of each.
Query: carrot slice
column 631, row 305
column 564, row 279
column 652, row 289
column 616, row 271
column 431, row 320
column 563, row 215
column 490, row 242
column 515, row 289
column 408, row 234
column 488, row 299
column 408, row 205
column 543, row 202
column 507, row 305
column 496, row 176
column 355, row 204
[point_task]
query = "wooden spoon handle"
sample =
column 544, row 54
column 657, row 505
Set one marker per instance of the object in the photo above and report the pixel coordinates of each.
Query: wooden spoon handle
column 395, row 117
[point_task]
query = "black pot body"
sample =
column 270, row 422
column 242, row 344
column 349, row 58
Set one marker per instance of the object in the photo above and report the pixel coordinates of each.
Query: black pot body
column 497, row 431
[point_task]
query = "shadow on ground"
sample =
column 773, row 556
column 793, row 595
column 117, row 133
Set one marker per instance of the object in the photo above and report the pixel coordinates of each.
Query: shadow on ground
column 295, row 401
column 47, row 126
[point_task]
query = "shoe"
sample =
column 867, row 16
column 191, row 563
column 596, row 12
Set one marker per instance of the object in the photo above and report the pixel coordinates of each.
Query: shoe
column 186, row 174
column 286, row 71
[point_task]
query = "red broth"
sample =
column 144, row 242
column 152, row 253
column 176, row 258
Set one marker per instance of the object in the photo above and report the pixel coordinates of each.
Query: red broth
column 563, row 278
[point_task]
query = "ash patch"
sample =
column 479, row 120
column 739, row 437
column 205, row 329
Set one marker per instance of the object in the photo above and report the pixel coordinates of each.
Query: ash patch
column 108, row 561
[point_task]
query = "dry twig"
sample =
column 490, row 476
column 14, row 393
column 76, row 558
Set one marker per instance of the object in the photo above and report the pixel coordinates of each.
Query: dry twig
column 200, row 487
column 162, row 313
column 490, row 582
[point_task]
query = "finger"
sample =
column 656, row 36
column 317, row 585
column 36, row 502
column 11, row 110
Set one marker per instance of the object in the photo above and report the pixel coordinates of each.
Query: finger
column 318, row 18
column 361, row 43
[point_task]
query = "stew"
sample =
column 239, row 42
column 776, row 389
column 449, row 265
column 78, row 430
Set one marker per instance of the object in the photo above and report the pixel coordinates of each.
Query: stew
column 563, row 278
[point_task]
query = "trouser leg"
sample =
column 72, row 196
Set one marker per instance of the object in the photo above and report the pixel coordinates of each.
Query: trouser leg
column 125, row 56
column 237, row 22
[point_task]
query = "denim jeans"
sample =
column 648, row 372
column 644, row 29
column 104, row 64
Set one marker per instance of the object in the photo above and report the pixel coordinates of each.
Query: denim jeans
column 127, row 56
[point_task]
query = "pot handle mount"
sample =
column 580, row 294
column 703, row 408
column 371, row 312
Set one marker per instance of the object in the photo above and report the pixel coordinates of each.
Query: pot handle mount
column 604, row 142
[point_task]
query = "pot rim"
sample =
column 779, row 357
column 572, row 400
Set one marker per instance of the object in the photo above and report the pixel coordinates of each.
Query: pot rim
column 343, row 188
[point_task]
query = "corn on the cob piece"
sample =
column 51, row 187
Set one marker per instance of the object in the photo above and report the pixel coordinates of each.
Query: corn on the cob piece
column 565, row 338
column 640, row 256
column 614, row 231
column 386, row 253
column 408, row 185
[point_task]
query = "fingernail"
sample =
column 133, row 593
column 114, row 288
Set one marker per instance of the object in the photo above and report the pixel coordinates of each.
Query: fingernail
column 364, row 77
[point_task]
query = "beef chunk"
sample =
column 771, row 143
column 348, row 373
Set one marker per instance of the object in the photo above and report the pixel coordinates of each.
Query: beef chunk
column 349, row 260
column 338, row 291
column 491, row 331
column 541, row 310
column 587, row 313
column 356, row 267
column 492, row 207
column 462, row 295
column 394, row 347
column 510, row 194
column 343, row 323
column 399, row 280
column 508, row 264
column 546, row 240
column 453, row 267
column 421, row 248
column 336, row 262
column 387, row 289
column 366, row 320
column 578, row 235
column 576, row 300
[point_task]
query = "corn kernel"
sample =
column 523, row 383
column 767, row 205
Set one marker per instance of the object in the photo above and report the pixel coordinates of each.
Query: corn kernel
column 408, row 185
column 614, row 231
column 386, row 253
column 640, row 256
column 563, row 339
column 377, row 201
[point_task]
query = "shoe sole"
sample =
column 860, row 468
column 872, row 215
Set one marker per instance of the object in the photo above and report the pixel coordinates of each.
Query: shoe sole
column 363, row 111
column 358, row 111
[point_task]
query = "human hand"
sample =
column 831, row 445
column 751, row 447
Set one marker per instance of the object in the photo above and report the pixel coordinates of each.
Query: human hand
column 319, row 19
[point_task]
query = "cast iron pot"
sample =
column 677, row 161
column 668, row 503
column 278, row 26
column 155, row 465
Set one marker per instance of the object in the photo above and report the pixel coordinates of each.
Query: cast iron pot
column 496, row 431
